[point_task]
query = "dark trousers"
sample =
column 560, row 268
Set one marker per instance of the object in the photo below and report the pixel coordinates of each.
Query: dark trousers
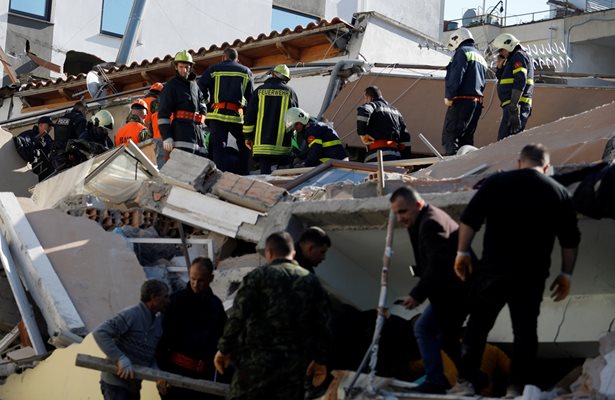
column 267, row 162
column 113, row 392
column 218, row 139
column 460, row 124
column 488, row 296
column 524, row 114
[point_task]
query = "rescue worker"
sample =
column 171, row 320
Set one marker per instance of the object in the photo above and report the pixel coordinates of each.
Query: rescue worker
column 277, row 331
column 152, row 99
column 130, row 338
column 230, row 86
column 312, row 247
column 134, row 128
column 68, row 127
column 323, row 143
column 515, row 73
column 381, row 127
column 94, row 140
column 182, row 100
column 264, row 128
column 35, row 145
column 463, row 95
column 192, row 325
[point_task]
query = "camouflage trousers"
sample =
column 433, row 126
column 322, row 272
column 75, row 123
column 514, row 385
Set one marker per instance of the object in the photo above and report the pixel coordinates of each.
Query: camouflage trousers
column 268, row 375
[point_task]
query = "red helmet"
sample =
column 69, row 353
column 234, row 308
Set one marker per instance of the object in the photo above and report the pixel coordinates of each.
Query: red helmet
column 139, row 103
column 156, row 87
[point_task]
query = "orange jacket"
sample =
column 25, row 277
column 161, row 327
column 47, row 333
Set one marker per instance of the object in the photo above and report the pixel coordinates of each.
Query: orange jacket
column 151, row 119
column 132, row 130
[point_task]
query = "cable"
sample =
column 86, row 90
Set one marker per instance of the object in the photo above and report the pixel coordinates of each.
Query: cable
column 559, row 327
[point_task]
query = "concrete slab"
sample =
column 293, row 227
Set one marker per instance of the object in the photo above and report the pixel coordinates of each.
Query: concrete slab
column 190, row 170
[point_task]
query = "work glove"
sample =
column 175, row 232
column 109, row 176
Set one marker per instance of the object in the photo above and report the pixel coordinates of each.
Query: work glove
column 249, row 144
column 514, row 117
column 560, row 287
column 448, row 102
column 367, row 139
column 318, row 372
column 124, row 368
column 221, row 361
column 463, row 266
column 167, row 145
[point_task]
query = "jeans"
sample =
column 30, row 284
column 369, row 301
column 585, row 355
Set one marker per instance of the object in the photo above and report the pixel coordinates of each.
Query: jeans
column 429, row 336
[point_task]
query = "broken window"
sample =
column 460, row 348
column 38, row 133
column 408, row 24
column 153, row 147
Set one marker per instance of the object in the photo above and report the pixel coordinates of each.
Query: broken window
column 115, row 17
column 283, row 18
column 40, row 9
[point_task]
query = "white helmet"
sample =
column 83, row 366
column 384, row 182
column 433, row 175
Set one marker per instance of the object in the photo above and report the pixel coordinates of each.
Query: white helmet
column 294, row 115
column 103, row 118
column 459, row 36
column 506, row 41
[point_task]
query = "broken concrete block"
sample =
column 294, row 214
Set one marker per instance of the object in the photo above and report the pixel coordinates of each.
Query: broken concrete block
column 247, row 192
column 189, row 170
column 21, row 354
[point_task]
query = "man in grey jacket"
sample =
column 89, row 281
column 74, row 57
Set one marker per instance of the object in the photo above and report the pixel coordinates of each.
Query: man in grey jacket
column 131, row 337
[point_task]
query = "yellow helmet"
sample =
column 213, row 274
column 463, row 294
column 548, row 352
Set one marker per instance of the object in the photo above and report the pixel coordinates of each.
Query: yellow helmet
column 281, row 71
column 183, row 56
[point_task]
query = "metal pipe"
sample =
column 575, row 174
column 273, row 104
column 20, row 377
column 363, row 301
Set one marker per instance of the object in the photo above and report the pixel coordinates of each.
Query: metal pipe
column 334, row 83
column 380, row 187
column 431, row 147
column 130, row 34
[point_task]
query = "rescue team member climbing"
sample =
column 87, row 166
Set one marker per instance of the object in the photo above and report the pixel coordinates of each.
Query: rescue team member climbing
column 463, row 94
column 264, row 124
column 230, row 86
column 322, row 141
column 381, row 127
column 515, row 73
column 182, row 99
column 152, row 99
column 134, row 129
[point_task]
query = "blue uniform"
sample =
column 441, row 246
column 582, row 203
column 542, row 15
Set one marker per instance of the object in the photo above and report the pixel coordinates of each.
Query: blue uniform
column 323, row 144
column 465, row 82
column 517, row 74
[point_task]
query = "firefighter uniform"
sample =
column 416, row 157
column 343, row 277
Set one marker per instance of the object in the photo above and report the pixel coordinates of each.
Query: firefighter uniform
column 182, row 101
column 134, row 130
column 386, row 125
column 230, row 86
column 264, row 122
column 323, row 144
column 465, row 82
column 517, row 74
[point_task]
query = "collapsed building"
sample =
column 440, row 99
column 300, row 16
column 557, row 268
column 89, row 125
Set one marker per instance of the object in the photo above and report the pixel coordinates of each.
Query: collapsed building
column 77, row 245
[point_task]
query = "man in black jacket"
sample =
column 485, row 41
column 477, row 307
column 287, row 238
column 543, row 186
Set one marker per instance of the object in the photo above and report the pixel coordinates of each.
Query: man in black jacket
column 192, row 325
column 264, row 124
column 433, row 234
column 182, row 99
column 230, row 86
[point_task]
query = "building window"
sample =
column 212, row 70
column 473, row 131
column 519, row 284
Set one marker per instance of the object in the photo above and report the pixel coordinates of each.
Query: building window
column 40, row 9
column 282, row 18
column 115, row 17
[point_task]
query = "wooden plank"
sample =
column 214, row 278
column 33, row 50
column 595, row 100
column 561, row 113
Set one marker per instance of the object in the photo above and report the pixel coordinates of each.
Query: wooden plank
column 42, row 281
column 151, row 374
column 25, row 309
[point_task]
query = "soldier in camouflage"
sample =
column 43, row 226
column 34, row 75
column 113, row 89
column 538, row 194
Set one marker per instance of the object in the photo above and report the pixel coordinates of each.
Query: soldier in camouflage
column 278, row 329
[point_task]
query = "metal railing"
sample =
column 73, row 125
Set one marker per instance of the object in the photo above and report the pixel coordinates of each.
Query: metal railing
column 498, row 20
column 599, row 5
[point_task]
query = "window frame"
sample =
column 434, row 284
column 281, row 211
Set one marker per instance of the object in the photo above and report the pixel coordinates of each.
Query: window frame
column 313, row 18
column 46, row 17
column 109, row 33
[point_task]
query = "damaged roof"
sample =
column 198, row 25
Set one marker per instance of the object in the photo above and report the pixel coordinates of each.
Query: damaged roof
column 314, row 42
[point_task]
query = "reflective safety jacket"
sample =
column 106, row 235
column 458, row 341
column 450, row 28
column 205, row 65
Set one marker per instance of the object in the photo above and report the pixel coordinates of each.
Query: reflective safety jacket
column 68, row 127
column 465, row 74
column 264, row 120
column 134, row 130
column 385, row 124
column 182, row 97
column 230, row 86
column 151, row 119
column 323, row 143
column 517, row 73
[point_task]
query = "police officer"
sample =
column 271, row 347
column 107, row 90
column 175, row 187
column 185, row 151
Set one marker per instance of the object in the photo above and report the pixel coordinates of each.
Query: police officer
column 515, row 73
column 67, row 127
column 230, row 86
column 323, row 143
column 465, row 82
column 134, row 128
column 182, row 98
column 381, row 127
column 263, row 126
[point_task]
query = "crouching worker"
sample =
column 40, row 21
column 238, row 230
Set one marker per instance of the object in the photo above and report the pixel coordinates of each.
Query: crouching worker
column 323, row 143
column 130, row 338
column 278, row 330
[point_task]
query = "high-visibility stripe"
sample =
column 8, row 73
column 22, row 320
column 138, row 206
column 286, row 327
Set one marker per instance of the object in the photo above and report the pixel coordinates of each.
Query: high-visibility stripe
column 219, row 74
column 188, row 145
column 281, row 125
column 473, row 56
column 214, row 115
column 164, row 121
column 527, row 100
column 315, row 141
column 529, row 81
column 520, row 69
column 374, row 156
column 330, row 143
column 362, row 118
column 248, row 129
column 270, row 149
column 507, row 81
column 259, row 116
column 324, row 159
